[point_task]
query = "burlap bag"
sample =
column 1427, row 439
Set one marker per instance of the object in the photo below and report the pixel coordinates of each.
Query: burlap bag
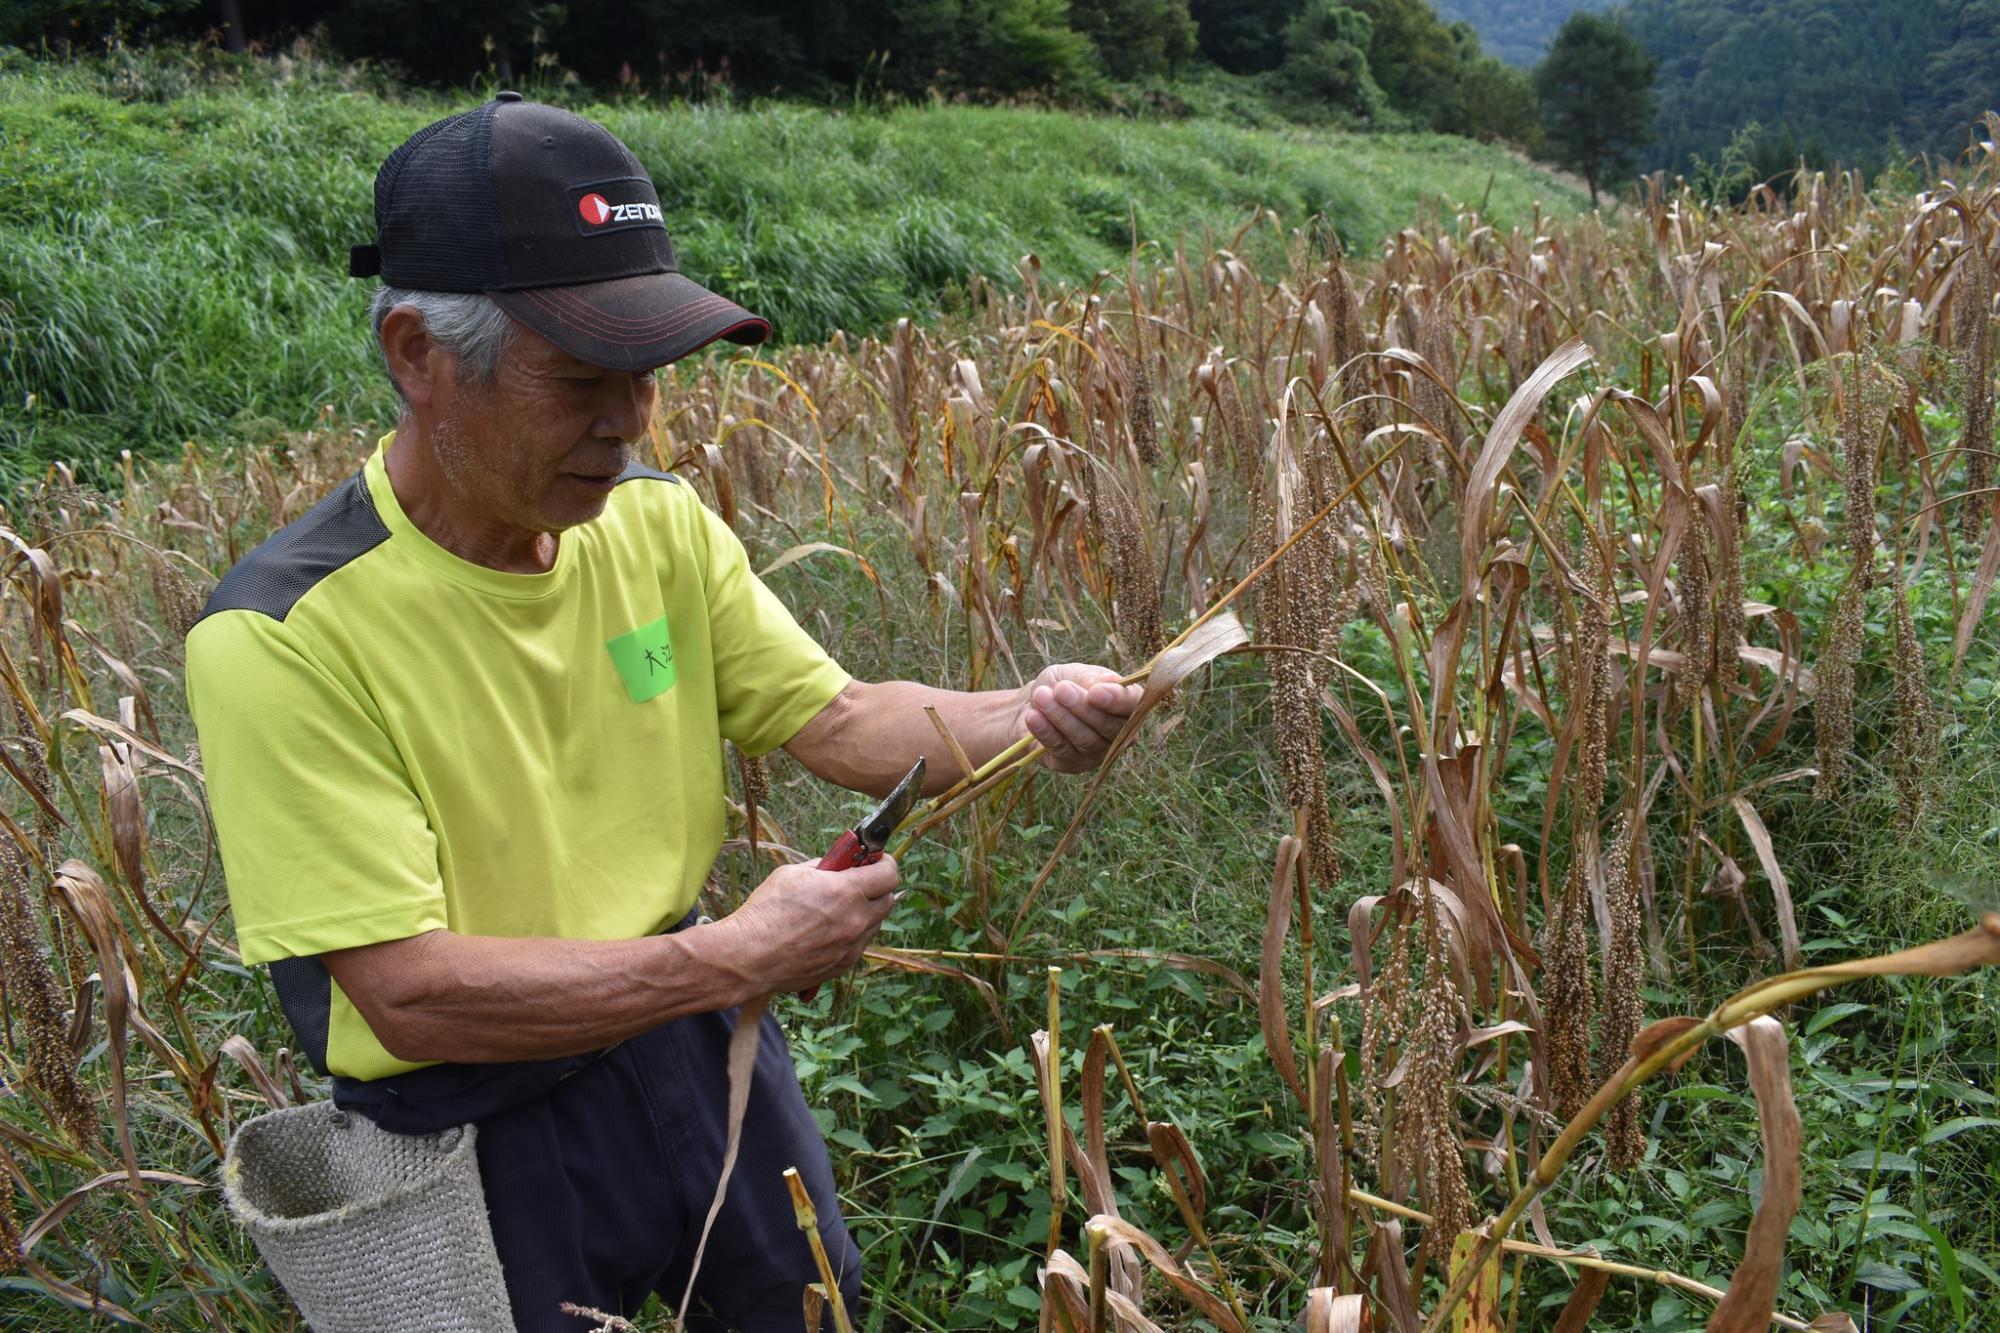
column 370, row 1232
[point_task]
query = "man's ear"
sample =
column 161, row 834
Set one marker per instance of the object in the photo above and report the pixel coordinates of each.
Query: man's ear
column 419, row 366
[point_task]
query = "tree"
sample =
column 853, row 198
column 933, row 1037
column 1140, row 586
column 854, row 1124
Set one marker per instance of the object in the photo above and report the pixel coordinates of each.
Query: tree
column 1326, row 62
column 1136, row 38
column 1413, row 56
column 1243, row 36
column 1491, row 100
column 1596, row 91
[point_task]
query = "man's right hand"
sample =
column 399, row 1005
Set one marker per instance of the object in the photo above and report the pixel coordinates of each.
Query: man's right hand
column 804, row 925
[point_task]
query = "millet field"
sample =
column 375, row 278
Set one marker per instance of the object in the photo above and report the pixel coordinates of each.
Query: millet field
column 1552, row 881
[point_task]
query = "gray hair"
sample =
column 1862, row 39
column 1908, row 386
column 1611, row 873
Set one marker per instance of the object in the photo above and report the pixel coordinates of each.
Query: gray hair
column 470, row 326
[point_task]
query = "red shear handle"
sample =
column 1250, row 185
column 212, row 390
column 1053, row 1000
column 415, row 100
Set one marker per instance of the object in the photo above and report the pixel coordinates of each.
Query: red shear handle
column 846, row 854
column 849, row 852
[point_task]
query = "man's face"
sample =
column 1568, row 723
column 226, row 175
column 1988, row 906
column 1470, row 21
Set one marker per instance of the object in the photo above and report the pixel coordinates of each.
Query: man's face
column 539, row 447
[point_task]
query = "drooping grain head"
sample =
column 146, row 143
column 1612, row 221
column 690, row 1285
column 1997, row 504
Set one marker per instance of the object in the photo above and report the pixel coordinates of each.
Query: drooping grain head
column 1918, row 740
column 1244, row 437
column 1569, row 992
column 1833, row 704
column 1731, row 588
column 1139, row 414
column 1697, row 606
column 1595, row 681
column 1429, row 1143
column 1135, row 579
column 1868, row 391
column 1624, row 1012
column 1385, row 1017
column 178, row 603
column 10, row 1222
column 37, row 1003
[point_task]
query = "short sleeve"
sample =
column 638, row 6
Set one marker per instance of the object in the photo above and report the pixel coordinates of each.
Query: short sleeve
column 325, row 844
column 771, row 677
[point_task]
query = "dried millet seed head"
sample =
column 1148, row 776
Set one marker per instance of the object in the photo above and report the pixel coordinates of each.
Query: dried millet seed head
column 1592, row 684
column 1135, row 603
column 1918, row 742
column 1139, row 415
column 10, row 1228
column 36, row 1000
column 179, row 605
column 1833, row 702
column 1385, row 1015
column 1568, row 992
column 1431, row 1148
column 1624, row 1010
column 1696, row 613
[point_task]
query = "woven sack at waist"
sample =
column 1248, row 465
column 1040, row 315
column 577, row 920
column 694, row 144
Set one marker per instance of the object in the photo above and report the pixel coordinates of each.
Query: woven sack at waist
column 369, row 1231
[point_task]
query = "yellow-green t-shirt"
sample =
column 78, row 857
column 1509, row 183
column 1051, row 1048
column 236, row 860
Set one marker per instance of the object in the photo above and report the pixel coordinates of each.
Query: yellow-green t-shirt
column 397, row 740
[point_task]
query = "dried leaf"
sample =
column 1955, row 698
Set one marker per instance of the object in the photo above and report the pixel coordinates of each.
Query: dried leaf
column 792, row 555
column 52, row 1216
column 1211, row 1306
column 1272, row 1009
column 1482, row 484
column 1175, row 1155
column 1781, row 889
column 239, row 1049
column 742, row 1068
column 1384, row 1264
column 1753, row 1291
column 1480, row 1310
column 1582, row 1302
column 1329, row 1312
column 1658, row 1034
column 1065, row 1293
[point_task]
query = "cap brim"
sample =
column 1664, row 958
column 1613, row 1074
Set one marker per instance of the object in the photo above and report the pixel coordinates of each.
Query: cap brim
column 633, row 323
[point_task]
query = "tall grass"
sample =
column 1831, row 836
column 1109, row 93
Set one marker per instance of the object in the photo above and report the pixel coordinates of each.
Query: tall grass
column 1567, row 558
column 173, row 267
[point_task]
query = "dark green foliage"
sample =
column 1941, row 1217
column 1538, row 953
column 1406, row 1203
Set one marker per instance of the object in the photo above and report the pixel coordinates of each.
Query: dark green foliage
column 1493, row 100
column 1517, row 31
column 61, row 26
column 1243, row 36
column 1596, row 94
column 1326, row 62
column 1854, row 77
column 1136, row 38
column 1414, row 56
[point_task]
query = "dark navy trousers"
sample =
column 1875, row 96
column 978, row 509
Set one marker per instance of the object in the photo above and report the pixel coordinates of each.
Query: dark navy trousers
column 597, row 1192
column 597, row 1183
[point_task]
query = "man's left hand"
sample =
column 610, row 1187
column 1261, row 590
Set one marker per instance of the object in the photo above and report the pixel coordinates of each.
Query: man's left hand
column 1076, row 710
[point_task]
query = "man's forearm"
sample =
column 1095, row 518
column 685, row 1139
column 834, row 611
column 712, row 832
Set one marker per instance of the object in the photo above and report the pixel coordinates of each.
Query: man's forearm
column 868, row 737
column 481, row 998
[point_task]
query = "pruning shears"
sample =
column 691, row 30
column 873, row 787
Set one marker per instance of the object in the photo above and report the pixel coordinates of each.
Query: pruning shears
column 862, row 845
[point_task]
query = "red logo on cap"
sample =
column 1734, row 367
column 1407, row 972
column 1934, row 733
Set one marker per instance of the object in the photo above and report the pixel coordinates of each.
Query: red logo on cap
column 596, row 209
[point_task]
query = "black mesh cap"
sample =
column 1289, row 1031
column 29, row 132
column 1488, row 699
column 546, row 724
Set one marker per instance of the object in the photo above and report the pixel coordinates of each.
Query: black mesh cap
column 555, row 219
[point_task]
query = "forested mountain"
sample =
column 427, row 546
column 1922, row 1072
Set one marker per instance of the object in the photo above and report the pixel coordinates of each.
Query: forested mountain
column 1844, row 80
column 1517, row 31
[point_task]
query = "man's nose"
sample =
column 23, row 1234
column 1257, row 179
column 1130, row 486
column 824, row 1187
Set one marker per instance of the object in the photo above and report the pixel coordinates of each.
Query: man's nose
column 628, row 406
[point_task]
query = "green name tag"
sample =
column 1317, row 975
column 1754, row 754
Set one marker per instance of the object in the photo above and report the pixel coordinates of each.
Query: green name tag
column 645, row 660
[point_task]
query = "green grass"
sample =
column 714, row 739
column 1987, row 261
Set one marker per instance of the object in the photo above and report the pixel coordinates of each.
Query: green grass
column 173, row 249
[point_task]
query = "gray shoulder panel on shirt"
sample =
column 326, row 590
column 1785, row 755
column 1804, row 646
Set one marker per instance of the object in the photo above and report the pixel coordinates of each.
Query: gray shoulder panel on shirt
column 636, row 470
column 272, row 578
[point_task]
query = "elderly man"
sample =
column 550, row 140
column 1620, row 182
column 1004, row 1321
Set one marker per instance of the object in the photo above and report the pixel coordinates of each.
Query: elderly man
column 463, row 726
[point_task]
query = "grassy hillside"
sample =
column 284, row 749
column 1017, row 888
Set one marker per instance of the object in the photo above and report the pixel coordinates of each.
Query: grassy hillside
column 172, row 259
